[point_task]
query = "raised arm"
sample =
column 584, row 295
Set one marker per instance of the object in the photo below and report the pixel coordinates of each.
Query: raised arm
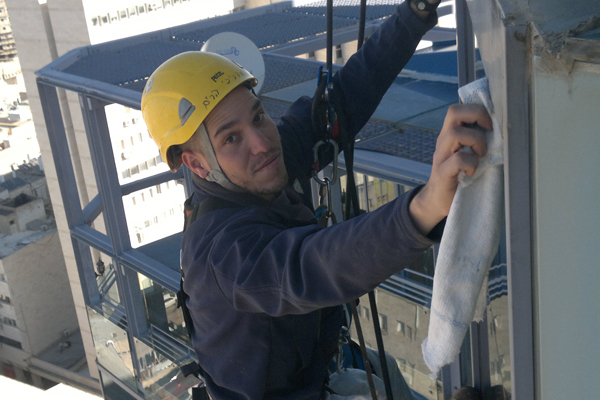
column 360, row 84
column 368, row 74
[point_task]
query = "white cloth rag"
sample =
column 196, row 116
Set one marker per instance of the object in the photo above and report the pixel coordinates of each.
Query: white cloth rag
column 469, row 244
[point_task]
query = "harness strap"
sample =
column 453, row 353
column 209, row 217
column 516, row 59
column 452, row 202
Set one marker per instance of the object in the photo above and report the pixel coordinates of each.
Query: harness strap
column 191, row 214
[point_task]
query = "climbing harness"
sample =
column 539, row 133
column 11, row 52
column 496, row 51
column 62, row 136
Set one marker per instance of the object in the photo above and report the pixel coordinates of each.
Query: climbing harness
column 329, row 122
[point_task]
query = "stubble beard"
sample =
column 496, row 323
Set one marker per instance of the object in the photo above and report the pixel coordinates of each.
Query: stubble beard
column 269, row 189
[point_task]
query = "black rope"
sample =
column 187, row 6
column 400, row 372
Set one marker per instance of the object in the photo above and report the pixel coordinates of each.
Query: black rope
column 329, row 33
column 363, row 351
column 361, row 23
column 352, row 209
column 380, row 349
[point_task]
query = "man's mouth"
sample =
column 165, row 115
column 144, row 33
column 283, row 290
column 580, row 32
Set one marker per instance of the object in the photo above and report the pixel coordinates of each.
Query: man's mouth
column 270, row 160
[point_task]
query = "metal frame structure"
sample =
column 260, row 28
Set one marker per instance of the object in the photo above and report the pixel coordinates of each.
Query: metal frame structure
column 116, row 244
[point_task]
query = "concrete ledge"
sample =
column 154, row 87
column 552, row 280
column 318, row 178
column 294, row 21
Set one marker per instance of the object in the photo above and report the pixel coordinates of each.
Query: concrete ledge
column 57, row 374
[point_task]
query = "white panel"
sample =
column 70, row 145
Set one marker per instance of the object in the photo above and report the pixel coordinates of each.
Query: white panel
column 566, row 186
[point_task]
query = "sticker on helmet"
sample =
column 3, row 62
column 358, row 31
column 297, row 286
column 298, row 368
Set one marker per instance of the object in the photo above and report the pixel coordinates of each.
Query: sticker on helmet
column 149, row 85
column 214, row 94
column 216, row 76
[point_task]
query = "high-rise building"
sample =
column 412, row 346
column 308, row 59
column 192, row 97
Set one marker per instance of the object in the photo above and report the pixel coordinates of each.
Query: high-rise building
column 8, row 51
column 40, row 343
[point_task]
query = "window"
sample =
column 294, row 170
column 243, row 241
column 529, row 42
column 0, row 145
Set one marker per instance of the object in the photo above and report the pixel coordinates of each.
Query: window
column 400, row 327
column 383, row 323
column 4, row 299
column 409, row 332
column 367, row 314
column 9, row 321
column 338, row 51
column 158, row 189
column 402, row 364
column 10, row 342
column 133, row 199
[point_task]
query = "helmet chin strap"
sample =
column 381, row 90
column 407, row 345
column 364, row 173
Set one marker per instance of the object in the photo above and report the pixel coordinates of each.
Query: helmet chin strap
column 216, row 174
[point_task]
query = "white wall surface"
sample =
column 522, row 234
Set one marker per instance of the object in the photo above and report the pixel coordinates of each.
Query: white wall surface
column 566, row 193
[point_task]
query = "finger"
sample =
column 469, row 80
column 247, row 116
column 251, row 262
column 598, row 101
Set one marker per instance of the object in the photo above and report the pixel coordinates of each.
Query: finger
column 453, row 139
column 460, row 162
column 461, row 114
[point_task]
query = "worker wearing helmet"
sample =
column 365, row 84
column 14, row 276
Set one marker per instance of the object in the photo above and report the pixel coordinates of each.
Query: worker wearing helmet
column 265, row 283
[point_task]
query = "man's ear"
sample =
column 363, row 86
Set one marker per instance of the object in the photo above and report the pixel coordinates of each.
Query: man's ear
column 196, row 162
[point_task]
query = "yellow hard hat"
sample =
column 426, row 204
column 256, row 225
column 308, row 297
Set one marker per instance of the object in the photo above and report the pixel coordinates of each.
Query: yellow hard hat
column 182, row 92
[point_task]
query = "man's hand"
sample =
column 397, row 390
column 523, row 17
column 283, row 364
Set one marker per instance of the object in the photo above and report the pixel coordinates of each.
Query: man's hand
column 422, row 14
column 433, row 202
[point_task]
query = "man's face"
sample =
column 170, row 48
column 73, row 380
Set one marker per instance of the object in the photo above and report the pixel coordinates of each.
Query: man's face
column 247, row 144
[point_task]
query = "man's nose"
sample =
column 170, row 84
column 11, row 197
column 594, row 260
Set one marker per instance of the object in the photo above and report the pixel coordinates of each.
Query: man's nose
column 258, row 143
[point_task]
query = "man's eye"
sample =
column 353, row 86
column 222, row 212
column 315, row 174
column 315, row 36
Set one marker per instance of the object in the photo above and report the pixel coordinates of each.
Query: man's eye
column 229, row 139
column 259, row 117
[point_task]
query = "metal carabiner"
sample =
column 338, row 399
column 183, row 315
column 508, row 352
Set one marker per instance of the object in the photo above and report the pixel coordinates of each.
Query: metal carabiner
column 336, row 152
column 324, row 212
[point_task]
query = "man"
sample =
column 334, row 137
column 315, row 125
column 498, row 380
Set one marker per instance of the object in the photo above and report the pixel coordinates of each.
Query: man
column 265, row 283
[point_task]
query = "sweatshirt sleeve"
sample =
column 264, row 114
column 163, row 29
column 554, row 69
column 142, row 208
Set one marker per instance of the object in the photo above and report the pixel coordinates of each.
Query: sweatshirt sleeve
column 262, row 267
column 368, row 74
column 360, row 84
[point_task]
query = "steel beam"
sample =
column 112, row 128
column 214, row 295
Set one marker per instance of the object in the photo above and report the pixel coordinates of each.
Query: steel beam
column 465, row 44
column 68, row 187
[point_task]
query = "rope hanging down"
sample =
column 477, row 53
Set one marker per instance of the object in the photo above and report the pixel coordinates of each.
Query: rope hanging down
column 329, row 120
